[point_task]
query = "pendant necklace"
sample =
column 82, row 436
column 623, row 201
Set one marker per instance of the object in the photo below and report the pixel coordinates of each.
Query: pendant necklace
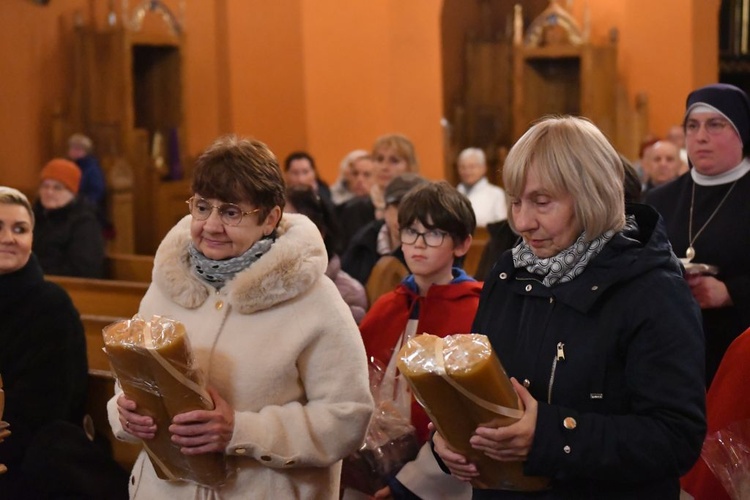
column 690, row 252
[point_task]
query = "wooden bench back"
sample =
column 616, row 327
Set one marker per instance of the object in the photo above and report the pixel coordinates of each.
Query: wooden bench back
column 103, row 297
column 384, row 277
column 129, row 267
column 100, row 303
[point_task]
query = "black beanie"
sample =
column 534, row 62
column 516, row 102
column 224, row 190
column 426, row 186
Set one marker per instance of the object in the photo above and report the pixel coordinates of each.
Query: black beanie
column 731, row 101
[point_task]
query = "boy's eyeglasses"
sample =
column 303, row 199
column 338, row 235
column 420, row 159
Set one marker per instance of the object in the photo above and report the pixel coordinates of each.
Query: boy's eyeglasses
column 432, row 238
column 713, row 126
column 230, row 214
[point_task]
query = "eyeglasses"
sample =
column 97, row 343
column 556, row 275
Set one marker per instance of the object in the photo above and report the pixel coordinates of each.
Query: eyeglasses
column 432, row 238
column 713, row 126
column 230, row 214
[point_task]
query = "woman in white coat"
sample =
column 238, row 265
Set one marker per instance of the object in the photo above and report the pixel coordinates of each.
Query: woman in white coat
column 278, row 346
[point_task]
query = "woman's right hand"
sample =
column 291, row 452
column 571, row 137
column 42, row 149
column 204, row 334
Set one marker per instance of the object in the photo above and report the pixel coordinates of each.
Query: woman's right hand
column 459, row 466
column 140, row 426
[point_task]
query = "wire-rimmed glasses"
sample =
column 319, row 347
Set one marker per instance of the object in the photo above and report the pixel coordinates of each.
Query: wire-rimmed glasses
column 229, row 213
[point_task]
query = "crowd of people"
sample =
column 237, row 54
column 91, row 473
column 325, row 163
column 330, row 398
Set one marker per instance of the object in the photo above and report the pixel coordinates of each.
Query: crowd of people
column 609, row 292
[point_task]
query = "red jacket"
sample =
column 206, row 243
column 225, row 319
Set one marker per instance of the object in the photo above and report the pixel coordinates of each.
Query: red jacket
column 725, row 403
column 445, row 310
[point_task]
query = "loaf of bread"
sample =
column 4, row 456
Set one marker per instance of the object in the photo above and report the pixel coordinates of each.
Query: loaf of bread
column 461, row 384
column 154, row 366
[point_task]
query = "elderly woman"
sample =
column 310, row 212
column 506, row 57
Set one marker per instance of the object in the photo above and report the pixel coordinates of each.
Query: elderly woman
column 285, row 365
column 67, row 236
column 42, row 349
column 592, row 318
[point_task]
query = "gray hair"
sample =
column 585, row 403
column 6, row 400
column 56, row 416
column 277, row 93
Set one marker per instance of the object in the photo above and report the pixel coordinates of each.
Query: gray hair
column 472, row 153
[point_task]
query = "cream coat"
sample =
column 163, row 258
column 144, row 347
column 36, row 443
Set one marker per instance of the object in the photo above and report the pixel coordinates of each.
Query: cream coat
column 281, row 346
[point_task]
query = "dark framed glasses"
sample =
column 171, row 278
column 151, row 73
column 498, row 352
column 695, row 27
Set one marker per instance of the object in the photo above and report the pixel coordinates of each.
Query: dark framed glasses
column 432, row 238
column 229, row 213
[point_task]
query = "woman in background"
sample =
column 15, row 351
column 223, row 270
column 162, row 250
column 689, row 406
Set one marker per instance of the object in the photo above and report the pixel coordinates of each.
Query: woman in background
column 67, row 236
column 303, row 200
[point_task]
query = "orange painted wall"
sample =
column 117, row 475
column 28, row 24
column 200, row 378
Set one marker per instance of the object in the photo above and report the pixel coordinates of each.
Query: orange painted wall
column 323, row 75
column 372, row 68
column 665, row 49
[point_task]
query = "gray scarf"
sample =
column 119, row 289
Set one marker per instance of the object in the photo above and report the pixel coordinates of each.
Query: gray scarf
column 218, row 272
column 564, row 266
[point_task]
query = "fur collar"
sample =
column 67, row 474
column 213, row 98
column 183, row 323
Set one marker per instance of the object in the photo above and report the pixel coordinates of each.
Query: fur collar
column 295, row 261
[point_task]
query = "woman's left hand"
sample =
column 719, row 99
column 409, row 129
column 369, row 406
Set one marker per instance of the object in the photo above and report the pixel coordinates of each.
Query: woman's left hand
column 709, row 292
column 383, row 493
column 204, row 431
column 511, row 443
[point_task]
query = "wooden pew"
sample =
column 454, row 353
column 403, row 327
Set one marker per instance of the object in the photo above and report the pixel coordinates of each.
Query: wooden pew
column 474, row 256
column 101, row 302
column 129, row 267
column 103, row 297
column 102, row 387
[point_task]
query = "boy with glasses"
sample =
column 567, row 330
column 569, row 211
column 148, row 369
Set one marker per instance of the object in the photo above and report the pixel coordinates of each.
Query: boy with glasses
column 435, row 224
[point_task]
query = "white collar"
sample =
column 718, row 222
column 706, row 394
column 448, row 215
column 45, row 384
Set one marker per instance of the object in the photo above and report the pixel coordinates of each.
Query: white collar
column 723, row 178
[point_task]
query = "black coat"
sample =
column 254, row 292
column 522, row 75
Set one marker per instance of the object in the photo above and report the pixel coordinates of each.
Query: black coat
column 42, row 361
column 723, row 243
column 68, row 241
column 632, row 373
column 362, row 254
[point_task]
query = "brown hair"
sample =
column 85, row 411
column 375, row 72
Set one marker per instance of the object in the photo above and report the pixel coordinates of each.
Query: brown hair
column 237, row 170
column 438, row 205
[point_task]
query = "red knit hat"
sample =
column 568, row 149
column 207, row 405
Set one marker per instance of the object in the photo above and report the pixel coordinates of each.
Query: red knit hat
column 63, row 171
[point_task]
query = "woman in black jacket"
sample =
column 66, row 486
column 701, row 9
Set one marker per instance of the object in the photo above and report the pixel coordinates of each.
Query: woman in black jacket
column 67, row 235
column 591, row 316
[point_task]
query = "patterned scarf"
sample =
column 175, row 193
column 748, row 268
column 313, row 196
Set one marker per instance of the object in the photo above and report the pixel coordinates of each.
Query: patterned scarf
column 218, row 272
column 564, row 266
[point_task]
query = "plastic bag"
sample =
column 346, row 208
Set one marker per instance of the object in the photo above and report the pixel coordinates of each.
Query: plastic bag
column 154, row 366
column 391, row 440
column 727, row 454
column 461, row 385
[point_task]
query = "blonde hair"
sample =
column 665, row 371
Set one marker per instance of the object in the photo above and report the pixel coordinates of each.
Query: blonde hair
column 571, row 156
column 11, row 196
column 402, row 145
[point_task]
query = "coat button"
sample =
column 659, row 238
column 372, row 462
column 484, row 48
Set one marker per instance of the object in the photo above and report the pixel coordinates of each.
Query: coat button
column 219, row 305
column 240, row 451
column 528, row 288
column 570, row 423
column 566, row 448
column 265, row 458
column 503, row 276
column 551, row 300
column 132, row 479
column 526, row 383
column 594, row 288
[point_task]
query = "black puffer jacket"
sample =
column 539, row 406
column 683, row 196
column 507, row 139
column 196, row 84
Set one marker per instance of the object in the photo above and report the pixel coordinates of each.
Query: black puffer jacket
column 632, row 372
column 68, row 241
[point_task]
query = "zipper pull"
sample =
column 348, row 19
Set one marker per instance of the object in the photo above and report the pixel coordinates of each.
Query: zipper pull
column 560, row 351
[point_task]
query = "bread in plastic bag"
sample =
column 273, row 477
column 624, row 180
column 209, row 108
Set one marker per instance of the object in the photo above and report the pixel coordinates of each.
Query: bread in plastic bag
column 154, row 365
column 461, row 385
column 390, row 442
